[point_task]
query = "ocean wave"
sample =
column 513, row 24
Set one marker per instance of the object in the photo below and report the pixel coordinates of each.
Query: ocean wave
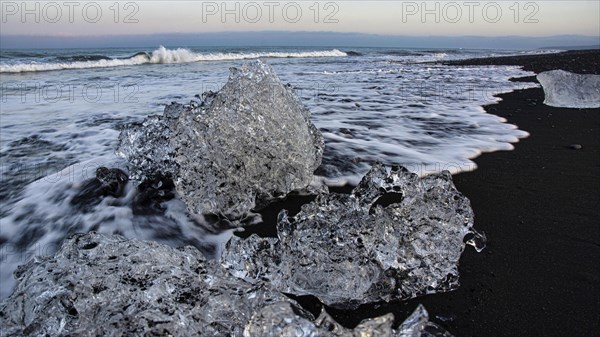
column 82, row 58
column 161, row 55
column 401, row 53
column 17, row 53
column 420, row 52
column 33, row 67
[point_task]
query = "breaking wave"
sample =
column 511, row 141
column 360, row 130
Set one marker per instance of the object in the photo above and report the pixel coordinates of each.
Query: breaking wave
column 158, row 56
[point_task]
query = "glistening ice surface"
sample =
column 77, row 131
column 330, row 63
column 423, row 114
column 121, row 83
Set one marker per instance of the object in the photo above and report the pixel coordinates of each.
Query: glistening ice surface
column 240, row 148
column 569, row 90
column 396, row 236
column 103, row 285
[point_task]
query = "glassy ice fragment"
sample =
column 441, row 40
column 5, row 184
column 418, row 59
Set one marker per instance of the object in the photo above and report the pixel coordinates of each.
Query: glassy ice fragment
column 395, row 237
column 569, row 90
column 242, row 147
column 282, row 319
column 103, row 285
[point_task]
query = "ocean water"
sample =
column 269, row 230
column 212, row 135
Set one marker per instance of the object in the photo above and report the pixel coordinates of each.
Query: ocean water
column 62, row 110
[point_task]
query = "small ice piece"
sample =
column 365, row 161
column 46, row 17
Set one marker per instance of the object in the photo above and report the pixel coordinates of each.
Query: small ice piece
column 569, row 90
column 418, row 325
column 395, row 237
column 106, row 285
column 282, row 319
column 242, row 147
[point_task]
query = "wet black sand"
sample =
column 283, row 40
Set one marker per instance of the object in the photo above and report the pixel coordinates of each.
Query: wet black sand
column 577, row 61
column 540, row 208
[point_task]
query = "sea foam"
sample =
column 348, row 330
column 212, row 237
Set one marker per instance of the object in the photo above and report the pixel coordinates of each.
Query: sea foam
column 162, row 55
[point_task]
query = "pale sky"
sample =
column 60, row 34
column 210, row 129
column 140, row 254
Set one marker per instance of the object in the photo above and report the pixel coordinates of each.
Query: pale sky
column 421, row 18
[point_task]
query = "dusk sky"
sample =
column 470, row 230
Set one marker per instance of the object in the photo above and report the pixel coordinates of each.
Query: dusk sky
column 72, row 21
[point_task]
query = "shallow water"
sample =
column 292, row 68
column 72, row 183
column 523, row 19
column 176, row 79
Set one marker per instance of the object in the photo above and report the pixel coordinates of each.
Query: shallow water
column 58, row 126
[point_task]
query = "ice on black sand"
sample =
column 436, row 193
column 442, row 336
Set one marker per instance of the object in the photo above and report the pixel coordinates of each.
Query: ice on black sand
column 348, row 250
column 569, row 90
column 107, row 285
column 236, row 151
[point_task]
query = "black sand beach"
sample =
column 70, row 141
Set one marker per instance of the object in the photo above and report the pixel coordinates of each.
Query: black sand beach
column 539, row 206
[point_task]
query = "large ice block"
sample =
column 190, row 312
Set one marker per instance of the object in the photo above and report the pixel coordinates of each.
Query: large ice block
column 569, row 90
column 242, row 147
column 105, row 285
column 396, row 237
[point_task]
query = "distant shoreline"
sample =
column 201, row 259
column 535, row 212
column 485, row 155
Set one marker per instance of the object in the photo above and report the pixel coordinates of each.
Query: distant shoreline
column 283, row 38
column 577, row 61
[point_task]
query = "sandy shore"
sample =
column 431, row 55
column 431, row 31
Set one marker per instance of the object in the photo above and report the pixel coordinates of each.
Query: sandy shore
column 540, row 208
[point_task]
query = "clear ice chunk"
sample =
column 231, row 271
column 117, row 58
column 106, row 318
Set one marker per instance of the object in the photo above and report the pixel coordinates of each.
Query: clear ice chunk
column 102, row 285
column 282, row 319
column 105, row 285
column 569, row 90
column 239, row 149
column 395, row 237
column 418, row 325
column 146, row 145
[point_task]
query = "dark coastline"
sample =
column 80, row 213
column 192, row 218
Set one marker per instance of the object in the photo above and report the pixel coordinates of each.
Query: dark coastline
column 576, row 61
column 539, row 206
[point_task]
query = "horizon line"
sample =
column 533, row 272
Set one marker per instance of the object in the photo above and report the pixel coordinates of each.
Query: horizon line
column 294, row 31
